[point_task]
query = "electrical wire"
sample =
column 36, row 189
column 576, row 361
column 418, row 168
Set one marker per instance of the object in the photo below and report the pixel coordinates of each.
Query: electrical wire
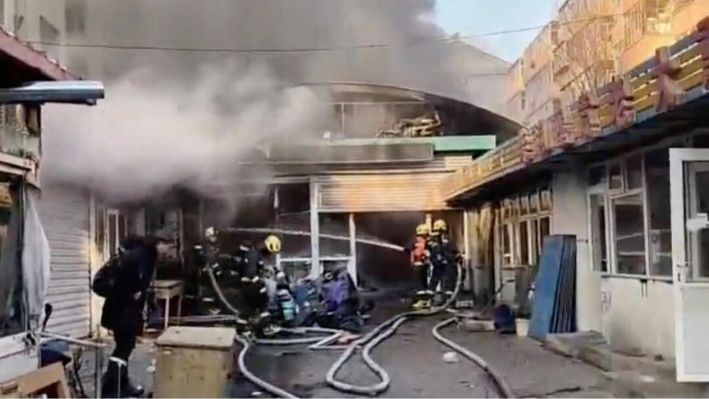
column 451, row 39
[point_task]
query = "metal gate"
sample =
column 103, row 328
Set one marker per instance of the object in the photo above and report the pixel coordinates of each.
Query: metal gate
column 384, row 192
column 64, row 213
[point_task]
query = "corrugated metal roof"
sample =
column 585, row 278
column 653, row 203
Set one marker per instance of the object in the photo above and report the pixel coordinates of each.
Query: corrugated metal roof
column 33, row 58
column 380, row 192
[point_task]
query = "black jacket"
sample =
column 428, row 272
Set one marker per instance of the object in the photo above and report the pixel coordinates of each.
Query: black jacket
column 135, row 273
column 443, row 252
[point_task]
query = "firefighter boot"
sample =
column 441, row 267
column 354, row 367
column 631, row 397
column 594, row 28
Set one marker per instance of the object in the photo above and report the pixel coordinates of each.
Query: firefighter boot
column 422, row 301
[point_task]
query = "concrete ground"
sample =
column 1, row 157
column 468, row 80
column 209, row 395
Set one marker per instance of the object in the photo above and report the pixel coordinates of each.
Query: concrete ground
column 415, row 363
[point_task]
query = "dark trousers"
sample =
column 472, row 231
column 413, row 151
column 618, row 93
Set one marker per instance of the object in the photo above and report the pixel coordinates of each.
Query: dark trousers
column 117, row 371
column 125, row 339
column 421, row 275
column 254, row 299
column 451, row 277
column 437, row 276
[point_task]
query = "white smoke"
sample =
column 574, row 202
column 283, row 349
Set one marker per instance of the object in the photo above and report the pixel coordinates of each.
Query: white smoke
column 148, row 137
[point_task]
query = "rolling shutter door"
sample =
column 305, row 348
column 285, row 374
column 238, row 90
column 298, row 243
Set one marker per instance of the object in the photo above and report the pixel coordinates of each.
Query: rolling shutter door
column 381, row 192
column 65, row 216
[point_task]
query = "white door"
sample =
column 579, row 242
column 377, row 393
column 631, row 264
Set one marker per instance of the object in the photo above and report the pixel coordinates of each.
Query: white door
column 689, row 194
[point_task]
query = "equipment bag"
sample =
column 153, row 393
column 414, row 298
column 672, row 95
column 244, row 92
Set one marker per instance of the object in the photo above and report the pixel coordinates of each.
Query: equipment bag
column 104, row 281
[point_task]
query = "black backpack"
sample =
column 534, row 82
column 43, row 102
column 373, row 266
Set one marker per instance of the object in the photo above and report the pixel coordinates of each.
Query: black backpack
column 104, row 281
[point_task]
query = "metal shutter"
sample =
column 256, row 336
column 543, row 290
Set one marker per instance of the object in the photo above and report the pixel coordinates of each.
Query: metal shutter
column 380, row 192
column 65, row 216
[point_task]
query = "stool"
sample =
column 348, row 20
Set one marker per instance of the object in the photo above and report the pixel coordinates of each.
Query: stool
column 167, row 290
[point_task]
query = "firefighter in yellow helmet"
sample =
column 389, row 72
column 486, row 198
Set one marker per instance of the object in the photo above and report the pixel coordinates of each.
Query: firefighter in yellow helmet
column 253, row 271
column 421, row 265
column 272, row 244
column 444, row 259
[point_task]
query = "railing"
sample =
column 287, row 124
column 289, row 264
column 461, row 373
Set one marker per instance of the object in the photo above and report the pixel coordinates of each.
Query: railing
column 655, row 86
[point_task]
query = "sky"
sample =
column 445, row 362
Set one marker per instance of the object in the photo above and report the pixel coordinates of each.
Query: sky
column 474, row 17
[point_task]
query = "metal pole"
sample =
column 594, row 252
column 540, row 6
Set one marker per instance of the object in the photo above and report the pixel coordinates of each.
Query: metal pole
column 353, row 250
column 314, row 231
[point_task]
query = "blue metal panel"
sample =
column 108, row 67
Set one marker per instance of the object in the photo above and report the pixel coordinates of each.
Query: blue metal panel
column 545, row 287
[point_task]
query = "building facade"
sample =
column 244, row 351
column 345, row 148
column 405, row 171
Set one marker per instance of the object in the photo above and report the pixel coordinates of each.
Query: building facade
column 624, row 176
column 589, row 42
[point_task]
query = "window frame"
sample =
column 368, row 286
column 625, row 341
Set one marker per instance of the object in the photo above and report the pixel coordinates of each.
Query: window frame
column 603, row 189
column 511, row 222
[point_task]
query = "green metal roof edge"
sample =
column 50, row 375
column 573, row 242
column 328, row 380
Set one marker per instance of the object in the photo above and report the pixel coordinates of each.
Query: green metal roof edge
column 440, row 143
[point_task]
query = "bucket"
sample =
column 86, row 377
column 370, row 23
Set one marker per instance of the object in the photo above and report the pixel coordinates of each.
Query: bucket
column 522, row 327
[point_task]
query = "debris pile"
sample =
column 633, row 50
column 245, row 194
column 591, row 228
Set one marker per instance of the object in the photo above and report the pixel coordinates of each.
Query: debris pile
column 424, row 126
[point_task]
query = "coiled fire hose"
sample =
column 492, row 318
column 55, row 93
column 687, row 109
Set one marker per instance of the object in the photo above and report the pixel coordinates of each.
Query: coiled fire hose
column 370, row 341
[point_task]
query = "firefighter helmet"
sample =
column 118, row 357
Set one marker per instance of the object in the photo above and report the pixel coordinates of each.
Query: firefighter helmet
column 273, row 244
column 422, row 230
column 440, row 225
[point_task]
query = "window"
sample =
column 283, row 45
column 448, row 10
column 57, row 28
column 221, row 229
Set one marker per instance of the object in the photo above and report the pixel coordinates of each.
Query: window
column 634, row 172
column 506, row 237
column 629, row 234
column 615, row 177
column 657, row 169
column 524, row 256
column 597, row 175
column 598, row 233
column 544, row 229
column 116, row 230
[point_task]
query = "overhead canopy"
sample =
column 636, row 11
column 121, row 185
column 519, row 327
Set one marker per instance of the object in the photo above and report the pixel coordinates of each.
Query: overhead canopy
column 463, row 118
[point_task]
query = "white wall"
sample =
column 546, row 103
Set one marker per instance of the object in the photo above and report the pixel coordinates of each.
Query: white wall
column 639, row 314
column 632, row 314
column 569, row 216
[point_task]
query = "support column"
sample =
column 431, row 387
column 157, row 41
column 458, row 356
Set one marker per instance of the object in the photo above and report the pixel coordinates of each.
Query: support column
column 468, row 282
column 352, row 265
column 314, row 231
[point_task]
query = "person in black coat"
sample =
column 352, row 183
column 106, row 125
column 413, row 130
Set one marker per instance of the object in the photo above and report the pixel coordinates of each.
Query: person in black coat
column 123, row 310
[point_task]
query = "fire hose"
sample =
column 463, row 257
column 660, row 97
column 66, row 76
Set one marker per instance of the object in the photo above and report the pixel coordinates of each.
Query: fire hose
column 374, row 338
column 369, row 342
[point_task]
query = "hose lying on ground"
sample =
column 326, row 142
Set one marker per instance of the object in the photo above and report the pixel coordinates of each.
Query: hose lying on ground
column 371, row 340
column 499, row 381
column 245, row 346
column 266, row 386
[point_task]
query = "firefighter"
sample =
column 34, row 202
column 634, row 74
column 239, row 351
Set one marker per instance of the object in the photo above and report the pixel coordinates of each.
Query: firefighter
column 255, row 298
column 421, row 265
column 444, row 257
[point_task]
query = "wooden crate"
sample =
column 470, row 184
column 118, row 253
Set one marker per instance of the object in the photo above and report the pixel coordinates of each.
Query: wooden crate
column 194, row 362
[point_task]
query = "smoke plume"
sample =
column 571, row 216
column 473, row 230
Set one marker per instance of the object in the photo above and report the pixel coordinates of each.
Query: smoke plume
column 185, row 117
column 146, row 137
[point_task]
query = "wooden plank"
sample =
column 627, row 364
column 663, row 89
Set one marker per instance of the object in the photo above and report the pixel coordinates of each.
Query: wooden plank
column 690, row 69
column 693, row 81
column 197, row 337
column 193, row 373
column 646, row 103
column 49, row 380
